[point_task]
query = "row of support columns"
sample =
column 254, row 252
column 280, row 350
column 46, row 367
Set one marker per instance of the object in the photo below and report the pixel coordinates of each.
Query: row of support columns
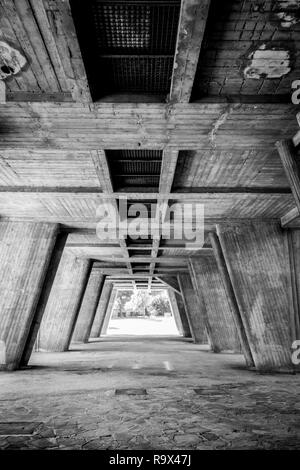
column 242, row 297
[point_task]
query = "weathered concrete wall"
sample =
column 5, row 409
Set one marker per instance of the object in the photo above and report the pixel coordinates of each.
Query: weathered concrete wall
column 257, row 259
column 101, row 310
column 64, row 303
column 220, row 324
column 25, row 253
column 89, row 306
column 194, row 314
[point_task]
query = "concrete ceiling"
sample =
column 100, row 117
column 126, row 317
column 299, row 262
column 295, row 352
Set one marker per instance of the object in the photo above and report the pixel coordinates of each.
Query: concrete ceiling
column 210, row 140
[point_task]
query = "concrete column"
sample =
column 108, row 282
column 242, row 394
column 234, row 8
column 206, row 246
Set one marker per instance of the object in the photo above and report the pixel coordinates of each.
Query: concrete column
column 88, row 307
column 231, row 299
column 64, row 303
column 101, row 310
column 175, row 311
column 257, row 259
column 219, row 320
column 25, row 253
column 109, row 311
column 192, row 307
column 183, row 316
column 43, row 300
column 294, row 252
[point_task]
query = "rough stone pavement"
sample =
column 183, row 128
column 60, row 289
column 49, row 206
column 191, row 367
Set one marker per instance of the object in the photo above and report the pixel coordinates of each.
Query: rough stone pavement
column 194, row 400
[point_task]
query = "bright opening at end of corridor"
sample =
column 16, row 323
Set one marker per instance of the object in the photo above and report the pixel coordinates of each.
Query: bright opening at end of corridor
column 142, row 313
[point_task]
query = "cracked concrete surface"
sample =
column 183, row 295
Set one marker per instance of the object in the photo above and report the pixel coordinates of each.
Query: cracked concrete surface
column 195, row 400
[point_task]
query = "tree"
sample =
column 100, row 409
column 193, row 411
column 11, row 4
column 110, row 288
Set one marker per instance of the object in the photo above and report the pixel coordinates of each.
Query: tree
column 160, row 304
column 122, row 299
column 138, row 304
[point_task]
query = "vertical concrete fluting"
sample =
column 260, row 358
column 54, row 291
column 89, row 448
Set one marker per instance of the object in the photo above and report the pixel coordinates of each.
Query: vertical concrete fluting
column 192, row 307
column 25, row 252
column 88, row 307
column 109, row 311
column 101, row 310
column 220, row 324
column 258, row 264
column 64, row 303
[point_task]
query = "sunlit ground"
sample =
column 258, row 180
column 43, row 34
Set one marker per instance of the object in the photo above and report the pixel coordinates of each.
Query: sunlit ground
column 156, row 326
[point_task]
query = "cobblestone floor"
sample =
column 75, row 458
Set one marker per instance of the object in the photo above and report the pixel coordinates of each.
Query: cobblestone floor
column 194, row 400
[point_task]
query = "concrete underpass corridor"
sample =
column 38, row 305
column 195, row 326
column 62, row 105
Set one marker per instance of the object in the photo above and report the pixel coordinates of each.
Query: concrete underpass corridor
column 149, row 226
column 147, row 393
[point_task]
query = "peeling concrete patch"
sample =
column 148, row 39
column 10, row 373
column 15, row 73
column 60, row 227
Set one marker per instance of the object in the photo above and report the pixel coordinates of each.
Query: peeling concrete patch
column 11, row 60
column 287, row 13
column 267, row 62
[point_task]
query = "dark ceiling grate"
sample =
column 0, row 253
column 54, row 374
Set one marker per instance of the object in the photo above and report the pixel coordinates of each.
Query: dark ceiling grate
column 134, row 253
column 134, row 168
column 134, row 154
column 128, row 47
column 138, row 74
column 147, row 28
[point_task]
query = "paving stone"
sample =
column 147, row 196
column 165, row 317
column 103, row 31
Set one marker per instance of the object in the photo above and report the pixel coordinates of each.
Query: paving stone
column 17, row 428
column 249, row 411
column 187, row 439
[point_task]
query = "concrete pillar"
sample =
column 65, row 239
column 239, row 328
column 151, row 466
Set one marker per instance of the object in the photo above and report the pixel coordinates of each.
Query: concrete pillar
column 101, row 310
column 257, row 259
column 294, row 252
column 25, row 253
column 175, row 311
column 89, row 306
column 109, row 311
column 231, row 299
column 183, row 316
column 43, row 300
column 194, row 314
column 64, row 303
column 219, row 320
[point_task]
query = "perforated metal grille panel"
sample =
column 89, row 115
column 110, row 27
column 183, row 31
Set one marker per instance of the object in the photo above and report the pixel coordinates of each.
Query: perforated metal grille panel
column 139, row 74
column 134, row 168
column 127, row 46
column 137, row 27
